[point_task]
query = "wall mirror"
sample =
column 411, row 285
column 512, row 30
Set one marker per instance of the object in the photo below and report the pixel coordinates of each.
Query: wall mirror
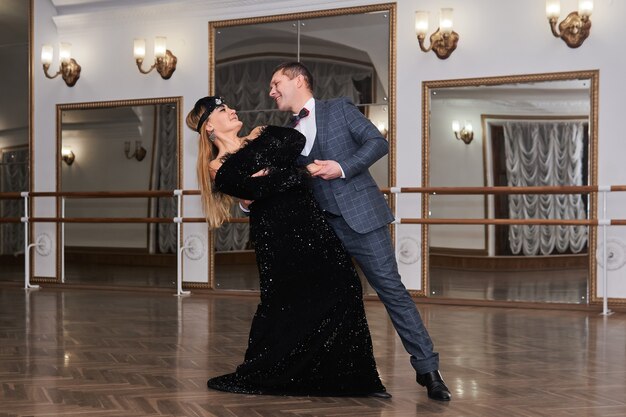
column 129, row 145
column 15, row 24
column 350, row 52
column 521, row 131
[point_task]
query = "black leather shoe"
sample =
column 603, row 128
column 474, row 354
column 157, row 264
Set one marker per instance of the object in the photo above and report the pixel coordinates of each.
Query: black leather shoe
column 380, row 394
column 433, row 382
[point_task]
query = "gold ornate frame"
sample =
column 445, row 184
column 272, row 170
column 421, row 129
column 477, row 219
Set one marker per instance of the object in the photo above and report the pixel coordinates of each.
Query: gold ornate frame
column 178, row 101
column 391, row 136
column 592, row 75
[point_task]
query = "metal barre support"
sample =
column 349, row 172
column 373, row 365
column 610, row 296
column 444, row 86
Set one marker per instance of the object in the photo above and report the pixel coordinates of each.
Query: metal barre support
column 605, row 267
column 27, row 246
column 179, row 247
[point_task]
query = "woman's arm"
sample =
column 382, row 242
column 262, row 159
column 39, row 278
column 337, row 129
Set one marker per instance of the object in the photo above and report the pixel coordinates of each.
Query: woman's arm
column 277, row 180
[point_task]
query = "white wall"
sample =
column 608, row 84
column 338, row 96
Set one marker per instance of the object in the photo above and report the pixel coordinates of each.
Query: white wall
column 496, row 38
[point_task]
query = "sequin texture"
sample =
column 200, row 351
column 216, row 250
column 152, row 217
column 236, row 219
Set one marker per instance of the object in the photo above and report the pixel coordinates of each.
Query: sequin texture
column 309, row 335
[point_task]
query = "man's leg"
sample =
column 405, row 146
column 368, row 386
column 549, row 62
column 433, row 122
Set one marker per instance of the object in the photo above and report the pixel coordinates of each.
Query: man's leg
column 374, row 253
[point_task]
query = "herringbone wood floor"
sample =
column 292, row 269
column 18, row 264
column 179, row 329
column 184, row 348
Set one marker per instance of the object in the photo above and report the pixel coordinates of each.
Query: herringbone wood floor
column 95, row 353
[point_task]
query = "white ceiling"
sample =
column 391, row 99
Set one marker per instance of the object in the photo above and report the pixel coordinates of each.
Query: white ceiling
column 89, row 6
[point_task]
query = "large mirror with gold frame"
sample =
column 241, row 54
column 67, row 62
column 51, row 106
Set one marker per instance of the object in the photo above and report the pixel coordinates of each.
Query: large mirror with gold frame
column 349, row 51
column 528, row 130
column 113, row 146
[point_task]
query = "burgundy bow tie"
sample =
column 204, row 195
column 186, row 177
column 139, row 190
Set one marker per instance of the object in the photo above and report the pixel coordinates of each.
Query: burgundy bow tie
column 295, row 119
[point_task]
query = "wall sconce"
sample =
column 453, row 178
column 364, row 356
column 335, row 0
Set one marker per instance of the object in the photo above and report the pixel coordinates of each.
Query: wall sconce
column 164, row 60
column 443, row 42
column 138, row 154
column 69, row 69
column 465, row 133
column 67, row 155
column 574, row 29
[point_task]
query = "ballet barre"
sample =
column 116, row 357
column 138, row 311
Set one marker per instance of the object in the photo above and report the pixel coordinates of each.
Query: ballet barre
column 569, row 189
column 394, row 191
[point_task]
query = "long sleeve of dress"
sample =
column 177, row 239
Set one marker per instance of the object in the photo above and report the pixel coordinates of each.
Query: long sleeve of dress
column 255, row 188
column 276, row 150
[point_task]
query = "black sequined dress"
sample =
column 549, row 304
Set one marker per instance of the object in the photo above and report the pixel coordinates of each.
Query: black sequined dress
column 309, row 335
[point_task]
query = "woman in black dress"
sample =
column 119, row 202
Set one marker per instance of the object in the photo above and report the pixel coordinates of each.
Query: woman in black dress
column 309, row 335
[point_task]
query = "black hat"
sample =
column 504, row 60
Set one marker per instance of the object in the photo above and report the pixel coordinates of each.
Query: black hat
column 210, row 103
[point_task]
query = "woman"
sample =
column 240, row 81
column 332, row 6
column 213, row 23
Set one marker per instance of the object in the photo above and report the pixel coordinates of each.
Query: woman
column 309, row 335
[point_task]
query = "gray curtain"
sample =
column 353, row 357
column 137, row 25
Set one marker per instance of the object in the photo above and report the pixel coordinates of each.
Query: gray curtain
column 13, row 178
column 165, row 177
column 245, row 86
column 545, row 154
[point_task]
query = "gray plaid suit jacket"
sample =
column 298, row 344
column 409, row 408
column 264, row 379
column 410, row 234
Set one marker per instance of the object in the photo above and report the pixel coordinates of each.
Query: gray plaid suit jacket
column 348, row 137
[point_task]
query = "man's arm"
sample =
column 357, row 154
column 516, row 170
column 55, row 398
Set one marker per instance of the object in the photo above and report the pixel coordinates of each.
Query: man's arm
column 372, row 146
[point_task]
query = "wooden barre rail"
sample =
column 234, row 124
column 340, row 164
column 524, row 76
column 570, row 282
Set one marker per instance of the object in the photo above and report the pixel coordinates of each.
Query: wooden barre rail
column 99, row 194
column 569, row 189
column 429, row 190
column 548, row 222
column 122, row 220
column 529, row 222
column 583, row 189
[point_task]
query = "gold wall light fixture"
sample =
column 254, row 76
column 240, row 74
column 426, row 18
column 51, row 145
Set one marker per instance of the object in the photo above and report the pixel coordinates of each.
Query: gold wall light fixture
column 464, row 133
column 164, row 60
column 574, row 29
column 67, row 155
column 138, row 154
column 443, row 42
column 69, row 69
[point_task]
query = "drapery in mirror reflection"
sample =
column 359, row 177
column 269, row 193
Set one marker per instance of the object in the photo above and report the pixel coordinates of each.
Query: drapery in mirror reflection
column 549, row 153
column 244, row 85
column 13, row 178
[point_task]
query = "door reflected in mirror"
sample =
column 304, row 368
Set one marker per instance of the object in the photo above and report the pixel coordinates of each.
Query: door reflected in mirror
column 349, row 53
column 534, row 130
column 130, row 145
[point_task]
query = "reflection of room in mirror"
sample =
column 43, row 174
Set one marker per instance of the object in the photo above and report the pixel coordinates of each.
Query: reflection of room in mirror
column 527, row 129
column 99, row 136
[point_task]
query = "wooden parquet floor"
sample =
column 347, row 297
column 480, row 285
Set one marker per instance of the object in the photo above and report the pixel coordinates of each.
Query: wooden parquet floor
column 84, row 353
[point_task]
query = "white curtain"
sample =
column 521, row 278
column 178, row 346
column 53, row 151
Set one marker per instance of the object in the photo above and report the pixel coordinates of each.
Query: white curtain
column 13, row 178
column 545, row 154
column 245, row 86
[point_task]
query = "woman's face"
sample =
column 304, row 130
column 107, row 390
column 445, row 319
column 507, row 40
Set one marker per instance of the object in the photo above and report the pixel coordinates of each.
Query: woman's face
column 223, row 120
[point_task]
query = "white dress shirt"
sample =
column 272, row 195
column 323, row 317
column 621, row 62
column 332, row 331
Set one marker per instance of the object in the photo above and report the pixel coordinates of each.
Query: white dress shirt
column 307, row 127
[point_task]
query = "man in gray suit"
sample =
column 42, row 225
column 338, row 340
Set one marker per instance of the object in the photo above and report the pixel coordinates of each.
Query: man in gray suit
column 341, row 145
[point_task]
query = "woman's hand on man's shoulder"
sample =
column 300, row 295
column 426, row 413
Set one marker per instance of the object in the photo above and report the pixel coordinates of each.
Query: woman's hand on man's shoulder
column 255, row 132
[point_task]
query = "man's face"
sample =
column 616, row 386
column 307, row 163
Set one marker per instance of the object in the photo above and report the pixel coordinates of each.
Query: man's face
column 285, row 91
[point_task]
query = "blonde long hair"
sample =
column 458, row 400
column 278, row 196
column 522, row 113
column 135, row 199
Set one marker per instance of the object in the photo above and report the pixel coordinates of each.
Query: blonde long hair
column 216, row 206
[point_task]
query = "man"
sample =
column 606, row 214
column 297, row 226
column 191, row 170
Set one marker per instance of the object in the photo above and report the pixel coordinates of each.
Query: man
column 341, row 145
